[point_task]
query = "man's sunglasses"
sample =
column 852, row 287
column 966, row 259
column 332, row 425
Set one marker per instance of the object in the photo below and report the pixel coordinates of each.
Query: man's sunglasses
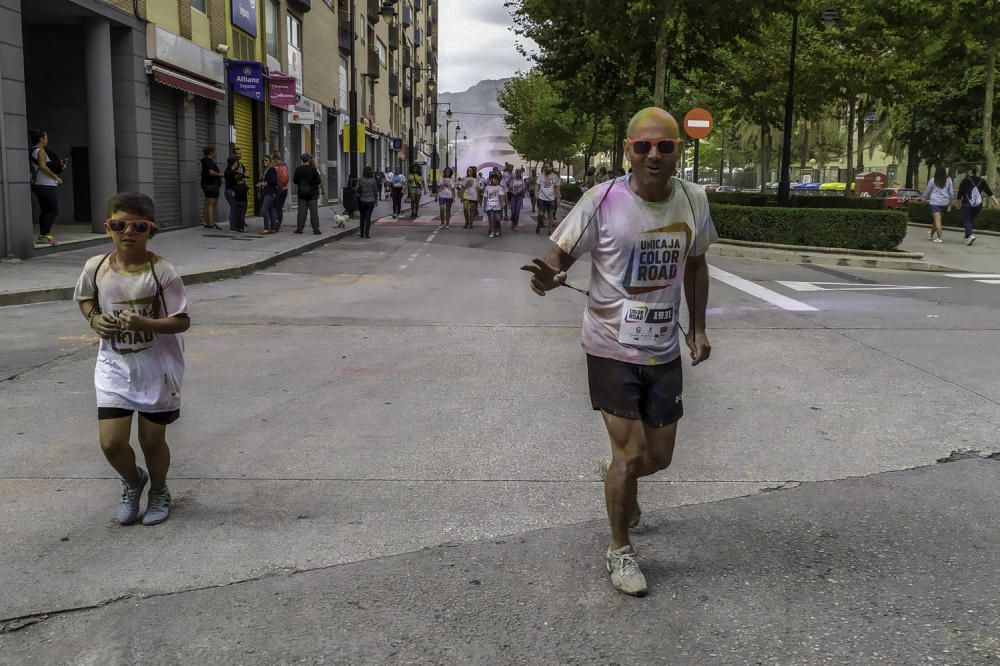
column 663, row 146
column 138, row 226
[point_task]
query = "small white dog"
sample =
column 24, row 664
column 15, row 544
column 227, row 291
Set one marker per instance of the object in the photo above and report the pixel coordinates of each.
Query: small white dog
column 340, row 220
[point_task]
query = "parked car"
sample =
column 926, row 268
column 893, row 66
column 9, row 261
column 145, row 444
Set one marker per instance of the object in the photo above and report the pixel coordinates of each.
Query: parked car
column 725, row 188
column 896, row 198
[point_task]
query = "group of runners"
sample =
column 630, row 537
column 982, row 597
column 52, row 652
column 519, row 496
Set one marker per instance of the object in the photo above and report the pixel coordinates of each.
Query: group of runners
column 500, row 196
column 646, row 234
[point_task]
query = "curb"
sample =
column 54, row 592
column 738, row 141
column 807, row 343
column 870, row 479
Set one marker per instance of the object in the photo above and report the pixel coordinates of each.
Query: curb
column 826, row 250
column 66, row 293
column 823, row 259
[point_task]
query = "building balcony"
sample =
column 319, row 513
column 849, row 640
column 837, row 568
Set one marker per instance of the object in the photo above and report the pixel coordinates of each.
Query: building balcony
column 394, row 85
column 407, row 98
column 406, row 57
column 417, row 37
column 374, row 69
column 301, row 5
column 407, row 17
column 416, row 5
column 344, row 35
column 373, row 15
column 393, row 38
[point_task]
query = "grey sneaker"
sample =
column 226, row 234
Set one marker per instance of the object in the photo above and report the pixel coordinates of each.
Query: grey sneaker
column 625, row 573
column 602, row 469
column 157, row 506
column 128, row 507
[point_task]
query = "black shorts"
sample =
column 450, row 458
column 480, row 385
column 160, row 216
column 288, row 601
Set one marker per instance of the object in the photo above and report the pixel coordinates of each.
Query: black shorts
column 545, row 206
column 210, row 192
column 159, row 418
column 651, row 393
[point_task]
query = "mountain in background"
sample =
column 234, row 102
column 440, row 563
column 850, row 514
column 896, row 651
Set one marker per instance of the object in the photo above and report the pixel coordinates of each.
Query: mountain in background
column 480, row 98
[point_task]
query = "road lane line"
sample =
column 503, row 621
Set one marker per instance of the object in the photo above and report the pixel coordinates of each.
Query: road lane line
column 974, row 276
column 989, row 281
column 758, row 291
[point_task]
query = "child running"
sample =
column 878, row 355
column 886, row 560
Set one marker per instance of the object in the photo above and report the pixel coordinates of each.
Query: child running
column 493, row 199
column 137, row 304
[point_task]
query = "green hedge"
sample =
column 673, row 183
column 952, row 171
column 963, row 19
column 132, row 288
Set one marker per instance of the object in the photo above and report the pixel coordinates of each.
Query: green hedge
column 800, row 201
column 571, row 192
column 855, row 229
column 988, row 218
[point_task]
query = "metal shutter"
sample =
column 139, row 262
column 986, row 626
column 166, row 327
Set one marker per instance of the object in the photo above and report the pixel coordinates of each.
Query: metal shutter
column 166, row 162
column 243, row 119
column 274, row 129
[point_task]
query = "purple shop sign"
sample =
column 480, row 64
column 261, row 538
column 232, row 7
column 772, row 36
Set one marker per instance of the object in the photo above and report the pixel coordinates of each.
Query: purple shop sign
column 244, row 13
column 283, row 90
column 247, row 78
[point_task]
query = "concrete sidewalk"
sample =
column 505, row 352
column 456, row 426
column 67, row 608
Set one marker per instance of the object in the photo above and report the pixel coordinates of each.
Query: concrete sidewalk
column 200, row 255
column 981, row 257
column 893, row 568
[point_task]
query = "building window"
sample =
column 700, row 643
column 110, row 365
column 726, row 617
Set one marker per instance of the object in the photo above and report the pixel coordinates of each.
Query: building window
column 199, row 5
column 271, row 28
column 294, row 32
column 382, row 51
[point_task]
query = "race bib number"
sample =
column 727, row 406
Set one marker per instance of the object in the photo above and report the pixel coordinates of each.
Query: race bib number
column 646, row 324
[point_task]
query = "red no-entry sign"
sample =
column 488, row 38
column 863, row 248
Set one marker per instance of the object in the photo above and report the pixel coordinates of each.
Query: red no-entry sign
column 698, row 123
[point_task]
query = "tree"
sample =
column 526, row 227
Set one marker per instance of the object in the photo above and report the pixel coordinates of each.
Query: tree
column 540, row 126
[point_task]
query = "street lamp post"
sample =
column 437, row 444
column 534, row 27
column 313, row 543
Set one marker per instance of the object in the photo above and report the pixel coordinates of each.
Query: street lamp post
column 784, row 181
column 352, row 135
column 447, row 133
column 458, row 128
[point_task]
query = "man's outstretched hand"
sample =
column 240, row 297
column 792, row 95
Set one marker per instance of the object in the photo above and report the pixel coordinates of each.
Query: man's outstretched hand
column 543, row 276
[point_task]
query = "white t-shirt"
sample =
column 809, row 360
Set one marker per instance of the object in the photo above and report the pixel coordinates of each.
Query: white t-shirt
column 493, row 197
column 137, row 370
column 470, row 189
column 638, row 251
column 547, row 187
column 41, row 178
column 446, row 187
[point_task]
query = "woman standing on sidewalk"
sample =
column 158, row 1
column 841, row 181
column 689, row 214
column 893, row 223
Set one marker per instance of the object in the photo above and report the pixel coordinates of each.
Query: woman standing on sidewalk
column 45, row 182
column 269, row 190
column 367, row 194
column 446, row 195
column 278, row 162
column 236, row 194
column 517, row 188
column 417, row 188
column 939, row 194
column 971, row 193
column 211, row 183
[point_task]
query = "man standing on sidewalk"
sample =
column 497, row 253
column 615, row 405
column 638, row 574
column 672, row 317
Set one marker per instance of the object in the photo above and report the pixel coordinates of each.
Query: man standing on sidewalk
column 646, row 234
column 309, row 184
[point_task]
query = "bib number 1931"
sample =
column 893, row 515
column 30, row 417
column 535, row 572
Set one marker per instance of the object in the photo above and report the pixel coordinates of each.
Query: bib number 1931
column 646, row 324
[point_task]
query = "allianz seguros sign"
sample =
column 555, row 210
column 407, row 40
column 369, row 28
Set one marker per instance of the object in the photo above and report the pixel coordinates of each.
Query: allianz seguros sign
column 244, row 15
column 247, row 78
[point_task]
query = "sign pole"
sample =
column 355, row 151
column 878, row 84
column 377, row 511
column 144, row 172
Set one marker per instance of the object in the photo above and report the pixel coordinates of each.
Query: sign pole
column 696, row 143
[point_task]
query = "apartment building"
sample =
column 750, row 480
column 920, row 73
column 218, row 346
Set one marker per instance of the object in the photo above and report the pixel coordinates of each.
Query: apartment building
column 132, row 91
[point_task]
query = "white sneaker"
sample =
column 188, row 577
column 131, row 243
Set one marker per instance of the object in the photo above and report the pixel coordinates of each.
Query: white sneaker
column 930, row 235
column 938, row 240
column 970, row 240
column 625, row 573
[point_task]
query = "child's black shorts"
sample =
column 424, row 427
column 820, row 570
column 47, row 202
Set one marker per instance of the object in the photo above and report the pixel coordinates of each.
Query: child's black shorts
column 159, row 418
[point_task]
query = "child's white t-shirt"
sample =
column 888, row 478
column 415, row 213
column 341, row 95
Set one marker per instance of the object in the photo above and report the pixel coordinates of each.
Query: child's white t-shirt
column 137, row 370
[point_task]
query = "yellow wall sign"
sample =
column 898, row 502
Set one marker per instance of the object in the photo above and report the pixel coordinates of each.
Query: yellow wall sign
column 359, row 135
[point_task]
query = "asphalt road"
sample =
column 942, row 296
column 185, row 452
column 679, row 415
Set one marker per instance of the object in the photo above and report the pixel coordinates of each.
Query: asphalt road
column 365, row 424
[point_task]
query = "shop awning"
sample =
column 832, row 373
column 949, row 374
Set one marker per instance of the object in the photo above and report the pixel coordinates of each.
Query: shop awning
column 175, row 79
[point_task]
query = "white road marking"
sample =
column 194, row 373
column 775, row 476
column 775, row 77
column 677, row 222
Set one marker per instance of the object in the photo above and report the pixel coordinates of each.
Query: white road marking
column 989, row 281
column 974, row 276
column 763, row 293
column 846, row 286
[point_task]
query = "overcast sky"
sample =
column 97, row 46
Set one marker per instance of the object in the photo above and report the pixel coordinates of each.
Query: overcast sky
column 476, row 43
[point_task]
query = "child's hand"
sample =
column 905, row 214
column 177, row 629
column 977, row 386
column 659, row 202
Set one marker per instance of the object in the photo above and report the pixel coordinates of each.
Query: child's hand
column 105, row 325
column 132, row 321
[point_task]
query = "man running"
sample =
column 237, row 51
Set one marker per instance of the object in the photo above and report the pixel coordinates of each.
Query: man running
column 645, row 233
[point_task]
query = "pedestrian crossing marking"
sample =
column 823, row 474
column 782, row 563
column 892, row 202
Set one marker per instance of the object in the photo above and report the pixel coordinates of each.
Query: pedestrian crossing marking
column 974, row 276
column 847, row 286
